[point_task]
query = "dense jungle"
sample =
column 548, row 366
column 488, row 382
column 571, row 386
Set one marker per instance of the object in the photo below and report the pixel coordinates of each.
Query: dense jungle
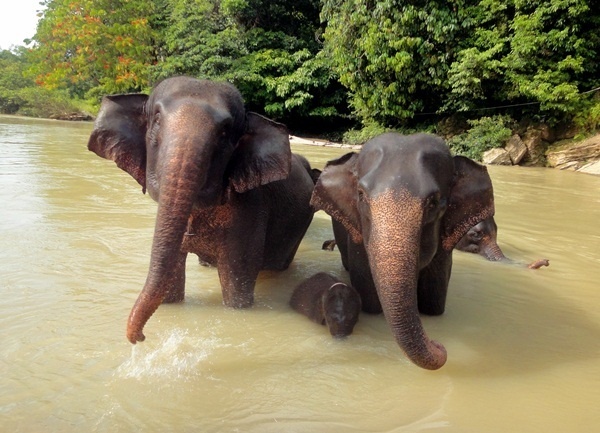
column 475, row 72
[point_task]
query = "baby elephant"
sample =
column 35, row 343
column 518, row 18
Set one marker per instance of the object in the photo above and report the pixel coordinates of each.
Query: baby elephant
column 327, row 301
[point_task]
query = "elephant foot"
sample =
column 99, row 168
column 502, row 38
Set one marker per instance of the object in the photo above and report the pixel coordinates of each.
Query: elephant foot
column 539, row 263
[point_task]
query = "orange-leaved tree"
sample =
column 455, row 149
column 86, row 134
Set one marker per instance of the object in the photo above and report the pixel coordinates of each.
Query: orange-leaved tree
column 94, row 47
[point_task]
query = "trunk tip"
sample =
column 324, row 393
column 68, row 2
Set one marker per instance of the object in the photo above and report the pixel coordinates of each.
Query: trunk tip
column 436, row 358
column 134, row 335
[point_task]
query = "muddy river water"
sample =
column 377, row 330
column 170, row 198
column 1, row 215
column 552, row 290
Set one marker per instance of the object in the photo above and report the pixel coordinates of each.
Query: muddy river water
column 75, row 235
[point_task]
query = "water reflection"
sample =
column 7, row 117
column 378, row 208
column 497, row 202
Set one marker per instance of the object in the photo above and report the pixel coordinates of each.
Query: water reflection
column 75, row 235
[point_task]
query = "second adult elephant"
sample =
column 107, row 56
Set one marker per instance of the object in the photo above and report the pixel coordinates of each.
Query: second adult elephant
column 398, row 208
column 227, row 185
column 482, row 239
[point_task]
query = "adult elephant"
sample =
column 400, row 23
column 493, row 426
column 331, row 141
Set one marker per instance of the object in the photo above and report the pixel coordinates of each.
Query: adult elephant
column 399, row 207
column 482, row 239
column 227, row 185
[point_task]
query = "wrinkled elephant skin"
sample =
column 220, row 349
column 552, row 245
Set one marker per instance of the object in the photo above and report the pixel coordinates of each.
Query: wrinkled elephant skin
column 326, row 300
column 482, row 239
column 227, row 185
column 399, row 207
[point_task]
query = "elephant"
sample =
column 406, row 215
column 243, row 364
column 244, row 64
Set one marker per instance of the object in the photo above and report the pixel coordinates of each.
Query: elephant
column 482, row 239
column 328, row 301
column 398, row 209
column 227, row 185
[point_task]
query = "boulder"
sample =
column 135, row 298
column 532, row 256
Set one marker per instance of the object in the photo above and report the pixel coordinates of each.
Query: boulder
column 536, row 147
column 497, row 157
column 583, row 156
column 591, row 168
column 516, row 149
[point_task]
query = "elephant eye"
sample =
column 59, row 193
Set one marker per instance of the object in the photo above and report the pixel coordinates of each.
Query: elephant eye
column 361, row 195
column 476, row 236
column 436, row 205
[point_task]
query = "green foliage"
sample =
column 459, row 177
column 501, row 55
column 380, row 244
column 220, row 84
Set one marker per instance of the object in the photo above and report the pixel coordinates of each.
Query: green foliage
column 588, row 119
column 93, row 47
column 393, row 56
column 534, row 51
column 266, row 48
column 42, row 102
column 485, row 133
column 20, row 95
column 12, row 81
column 315, row 65
column 361, row 136
column 401, row 58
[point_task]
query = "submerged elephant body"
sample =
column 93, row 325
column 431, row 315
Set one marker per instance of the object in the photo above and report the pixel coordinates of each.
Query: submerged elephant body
column 328, row 301
column 482, row 239
column 227, row 185
column 399, row 207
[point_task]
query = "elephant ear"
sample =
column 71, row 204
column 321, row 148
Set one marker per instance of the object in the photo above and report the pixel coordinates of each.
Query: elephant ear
column 471, row 201
column 119, row 134
column 336, row 193
column 262, row 155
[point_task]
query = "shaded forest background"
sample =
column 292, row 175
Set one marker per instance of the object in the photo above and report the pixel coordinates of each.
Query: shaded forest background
column 342, row 69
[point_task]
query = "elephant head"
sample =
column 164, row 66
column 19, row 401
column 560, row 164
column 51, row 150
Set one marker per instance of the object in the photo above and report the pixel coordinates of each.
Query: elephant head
column 481, row 239
column 190, row 144
column 404, row 202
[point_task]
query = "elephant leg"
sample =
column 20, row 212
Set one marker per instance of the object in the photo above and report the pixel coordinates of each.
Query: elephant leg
column 176, row 289
column 341, row 240
column 238, row 265
column 433, row 284
column 362, row 279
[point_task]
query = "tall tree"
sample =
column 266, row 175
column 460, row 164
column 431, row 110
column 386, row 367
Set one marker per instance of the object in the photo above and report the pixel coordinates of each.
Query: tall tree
column 12, row 80
column 526, row 51
column 392, row 55
column 94, row 47
column 268, row 49
column 399, row 58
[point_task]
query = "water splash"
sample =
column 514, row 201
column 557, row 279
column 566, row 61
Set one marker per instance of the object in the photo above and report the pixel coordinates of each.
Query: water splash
column 176, row 356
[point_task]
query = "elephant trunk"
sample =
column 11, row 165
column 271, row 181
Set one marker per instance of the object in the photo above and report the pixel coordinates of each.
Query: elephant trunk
column 492, row 252
column 177, row 194
column 393, row 249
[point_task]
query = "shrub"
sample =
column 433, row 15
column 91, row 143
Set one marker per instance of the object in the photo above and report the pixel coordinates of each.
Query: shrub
column 41, row 102
column 485, row 133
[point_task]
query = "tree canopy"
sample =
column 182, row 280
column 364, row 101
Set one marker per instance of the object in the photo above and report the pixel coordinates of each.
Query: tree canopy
column 314, row 64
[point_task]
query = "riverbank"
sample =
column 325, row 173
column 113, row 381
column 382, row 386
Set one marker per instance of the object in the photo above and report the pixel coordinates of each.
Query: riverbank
column 532, row 149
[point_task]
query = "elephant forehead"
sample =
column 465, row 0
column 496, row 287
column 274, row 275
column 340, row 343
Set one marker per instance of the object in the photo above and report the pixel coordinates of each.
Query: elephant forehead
column 422, row 171
column 198, row 112
column 404, row 182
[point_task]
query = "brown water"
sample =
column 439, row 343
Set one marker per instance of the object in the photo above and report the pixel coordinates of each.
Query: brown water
column 75, row 234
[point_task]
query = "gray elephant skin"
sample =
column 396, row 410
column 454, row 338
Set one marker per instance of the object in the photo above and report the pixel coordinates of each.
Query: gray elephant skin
column 398, row 208
column 227, row 185
column 326, row 300
column 482, row 239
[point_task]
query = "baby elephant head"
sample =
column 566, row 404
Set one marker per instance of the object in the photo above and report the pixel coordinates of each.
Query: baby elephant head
column 327, row 301
column 341, row 307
